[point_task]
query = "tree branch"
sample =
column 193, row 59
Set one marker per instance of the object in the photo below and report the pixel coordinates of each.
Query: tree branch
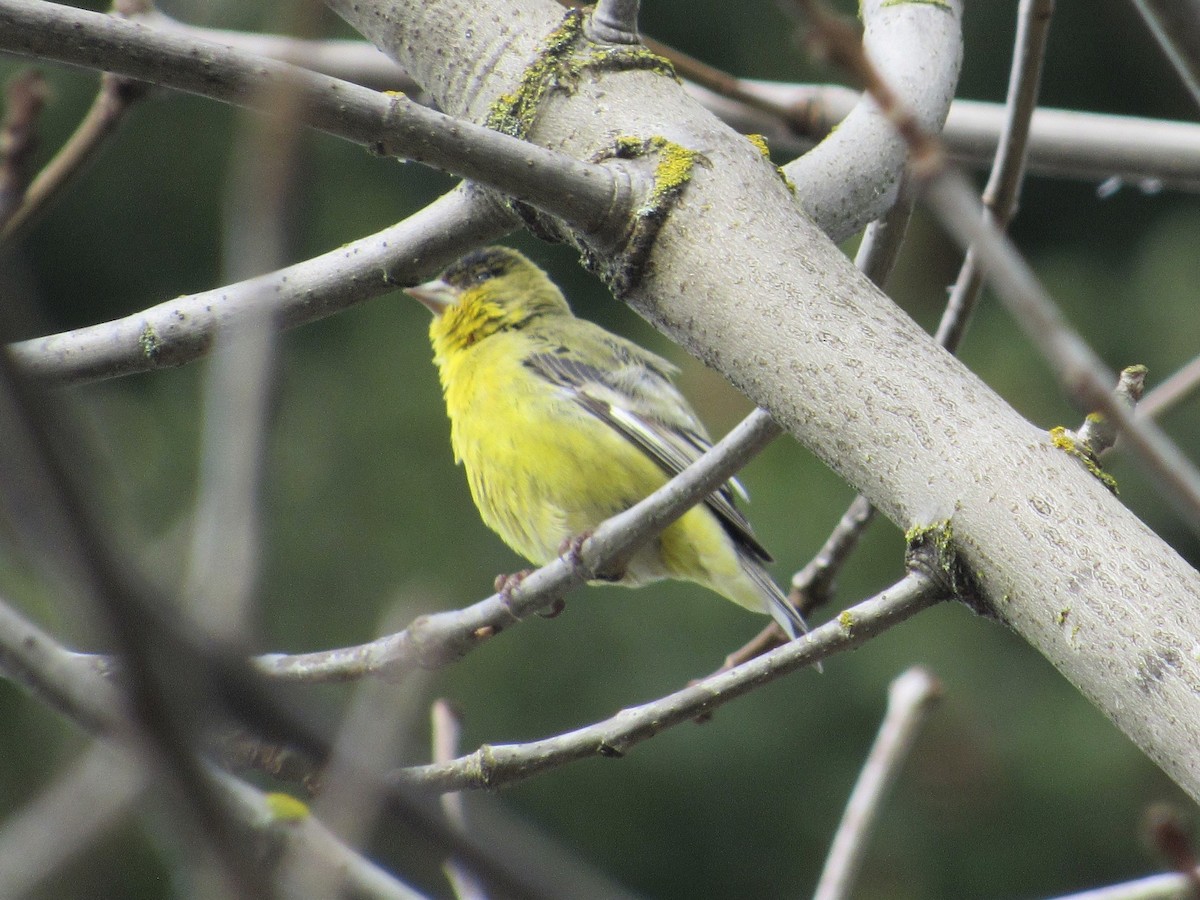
column 1176, row 27
column 782, row 313
column 181, row 330
column 1008, row 170
column 910, row 698
column 494, row 765
column 852, row 176
column 441, row 638
column 595, row 198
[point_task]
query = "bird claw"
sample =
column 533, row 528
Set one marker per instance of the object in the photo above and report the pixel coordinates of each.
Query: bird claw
column 555, row 609
column 571, row 549
column 505, row 584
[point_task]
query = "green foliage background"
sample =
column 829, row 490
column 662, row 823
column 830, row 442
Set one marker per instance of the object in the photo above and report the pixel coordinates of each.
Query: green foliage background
column 1018, row 786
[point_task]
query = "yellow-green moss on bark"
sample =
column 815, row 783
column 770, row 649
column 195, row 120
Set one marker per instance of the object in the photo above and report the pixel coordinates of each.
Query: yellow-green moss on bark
column 568, row 53
column 1064, row 440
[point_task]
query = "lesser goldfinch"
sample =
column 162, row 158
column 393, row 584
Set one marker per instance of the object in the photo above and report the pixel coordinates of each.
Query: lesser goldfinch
column 561, row 424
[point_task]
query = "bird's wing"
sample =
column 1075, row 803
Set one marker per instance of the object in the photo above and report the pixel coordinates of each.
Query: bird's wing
column 634, row 396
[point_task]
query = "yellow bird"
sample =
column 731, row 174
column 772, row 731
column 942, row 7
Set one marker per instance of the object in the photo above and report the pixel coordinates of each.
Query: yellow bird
column 561, row 424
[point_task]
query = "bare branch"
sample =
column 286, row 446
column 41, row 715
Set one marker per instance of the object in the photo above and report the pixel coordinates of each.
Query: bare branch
column 349, row 802
column 446, row 731
column 949, row 195
column 1008, row 171
column 1077, row 367
column 1097, row 435
column 182, row 330
column 441, row 638
column 82, row 805
column 1063, row 143
column 24, row 96
column 493, row 765
column 851, row 177
column 116, row 97
column 1171, row 391
column 1155, row 887
column 77, row 686
column 910, row 698
column 160, row 706
column 595, row 198
column 1176, row 26
column 350, row 60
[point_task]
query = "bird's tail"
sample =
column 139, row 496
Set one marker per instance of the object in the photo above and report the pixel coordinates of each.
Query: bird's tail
column 781, row 610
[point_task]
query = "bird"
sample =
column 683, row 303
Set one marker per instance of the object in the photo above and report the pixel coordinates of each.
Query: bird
column 561, row 424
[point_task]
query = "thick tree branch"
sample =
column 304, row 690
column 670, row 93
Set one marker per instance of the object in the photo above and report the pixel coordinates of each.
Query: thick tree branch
column 852, row 176
column 790, row 321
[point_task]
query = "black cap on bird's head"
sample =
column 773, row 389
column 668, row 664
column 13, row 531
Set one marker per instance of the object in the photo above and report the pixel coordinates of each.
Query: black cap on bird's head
column 481, row 265
column 500, row 277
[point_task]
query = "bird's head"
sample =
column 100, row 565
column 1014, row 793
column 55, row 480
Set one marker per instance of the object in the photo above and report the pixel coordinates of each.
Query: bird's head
column 487, row 291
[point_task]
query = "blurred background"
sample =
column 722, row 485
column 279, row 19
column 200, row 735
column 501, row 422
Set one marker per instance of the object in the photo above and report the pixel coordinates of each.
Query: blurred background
column 1017, row 788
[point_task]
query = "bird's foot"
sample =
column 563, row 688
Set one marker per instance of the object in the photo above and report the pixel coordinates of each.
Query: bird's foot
column 505, row 584
column 571, row 549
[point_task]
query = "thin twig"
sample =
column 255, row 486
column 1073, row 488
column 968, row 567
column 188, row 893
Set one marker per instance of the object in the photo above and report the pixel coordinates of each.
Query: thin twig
column 1169, row 392
column 1171, row 886
column 910, row 697
column 1176, row 26
column 24, row 96
column 1097, row 435
column 1171, row 839
column 1008, row 170
column 117, row 95
column 83, row 804
column 493, row 765
column 446, row 731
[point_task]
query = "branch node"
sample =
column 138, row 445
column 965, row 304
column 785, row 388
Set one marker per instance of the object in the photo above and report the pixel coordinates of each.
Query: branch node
column 931, row 551
column 673, row 169
column 1098, row 433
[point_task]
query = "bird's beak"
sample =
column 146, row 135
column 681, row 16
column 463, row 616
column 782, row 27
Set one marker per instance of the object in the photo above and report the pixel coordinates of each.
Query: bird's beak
column 436, row 295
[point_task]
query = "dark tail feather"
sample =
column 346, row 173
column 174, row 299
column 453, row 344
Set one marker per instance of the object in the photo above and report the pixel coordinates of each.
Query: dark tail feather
column 784, row 613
